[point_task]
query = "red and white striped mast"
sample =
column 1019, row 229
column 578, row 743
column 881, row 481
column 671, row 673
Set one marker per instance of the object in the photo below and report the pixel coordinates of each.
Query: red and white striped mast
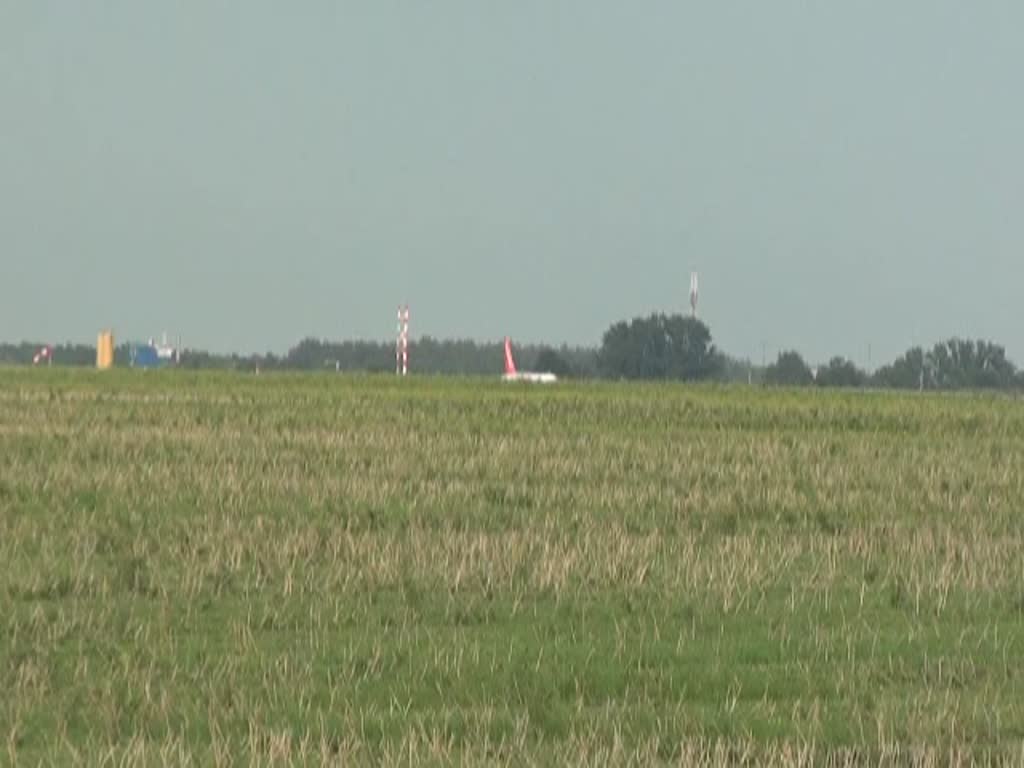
column 402, row 344
column 45, row 353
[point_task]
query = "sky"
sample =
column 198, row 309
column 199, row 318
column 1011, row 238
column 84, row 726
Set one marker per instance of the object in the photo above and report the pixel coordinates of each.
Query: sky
column 846, row 177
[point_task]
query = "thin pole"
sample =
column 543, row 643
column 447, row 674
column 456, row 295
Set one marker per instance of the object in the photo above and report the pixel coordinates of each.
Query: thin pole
column 402, row 342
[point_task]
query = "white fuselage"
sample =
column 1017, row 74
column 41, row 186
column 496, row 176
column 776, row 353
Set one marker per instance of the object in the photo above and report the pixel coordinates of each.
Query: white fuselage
column 530, row 377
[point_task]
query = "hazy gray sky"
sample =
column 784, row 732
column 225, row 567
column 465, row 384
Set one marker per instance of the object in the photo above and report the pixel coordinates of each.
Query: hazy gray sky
column 842, row 174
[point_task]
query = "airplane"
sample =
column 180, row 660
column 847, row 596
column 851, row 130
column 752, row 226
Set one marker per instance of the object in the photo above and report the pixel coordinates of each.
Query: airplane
column 511, row 374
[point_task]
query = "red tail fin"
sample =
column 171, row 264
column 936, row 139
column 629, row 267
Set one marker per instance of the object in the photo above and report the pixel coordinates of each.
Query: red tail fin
column 510, row 363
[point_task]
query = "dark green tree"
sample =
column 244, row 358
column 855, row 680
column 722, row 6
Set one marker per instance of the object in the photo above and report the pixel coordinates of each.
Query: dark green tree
column 551, row 361
column 789, row 370
column 909, row 371
column 840, row 372
column 659, row 347
column 68, row 354
column 952, row 364
column 964, row 364
column 737, row 370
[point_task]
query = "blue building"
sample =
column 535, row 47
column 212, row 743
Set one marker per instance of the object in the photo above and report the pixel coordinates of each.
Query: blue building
column 153, row 355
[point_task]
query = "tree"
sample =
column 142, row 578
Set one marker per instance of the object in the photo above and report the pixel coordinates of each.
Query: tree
column 789, row 370
column 962, row 364
column 735, row 370
column 68, row 353
column 549, row 360
column 910, row 371
column 659, row 347
column 952, row 364
column 840, row 372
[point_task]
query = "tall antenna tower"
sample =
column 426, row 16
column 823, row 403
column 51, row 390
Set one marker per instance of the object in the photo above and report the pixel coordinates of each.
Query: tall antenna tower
column 402, row 342
column 693, row 294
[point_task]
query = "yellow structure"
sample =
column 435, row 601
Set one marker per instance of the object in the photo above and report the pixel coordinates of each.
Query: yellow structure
column 105, row 350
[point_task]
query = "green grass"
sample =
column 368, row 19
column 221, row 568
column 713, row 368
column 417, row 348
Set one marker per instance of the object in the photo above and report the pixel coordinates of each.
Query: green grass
column 217, row 568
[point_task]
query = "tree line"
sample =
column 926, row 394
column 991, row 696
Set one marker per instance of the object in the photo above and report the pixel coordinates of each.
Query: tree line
column 951, row 364
column 655, row 347
column 427, row 356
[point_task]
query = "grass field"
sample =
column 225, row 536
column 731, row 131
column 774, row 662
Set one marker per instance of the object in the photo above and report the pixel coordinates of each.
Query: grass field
column 296, row 569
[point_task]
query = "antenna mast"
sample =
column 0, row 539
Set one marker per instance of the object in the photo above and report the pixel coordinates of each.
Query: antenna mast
column 402, row 343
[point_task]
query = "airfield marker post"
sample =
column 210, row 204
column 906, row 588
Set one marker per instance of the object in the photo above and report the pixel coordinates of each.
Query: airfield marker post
column 402, row 342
